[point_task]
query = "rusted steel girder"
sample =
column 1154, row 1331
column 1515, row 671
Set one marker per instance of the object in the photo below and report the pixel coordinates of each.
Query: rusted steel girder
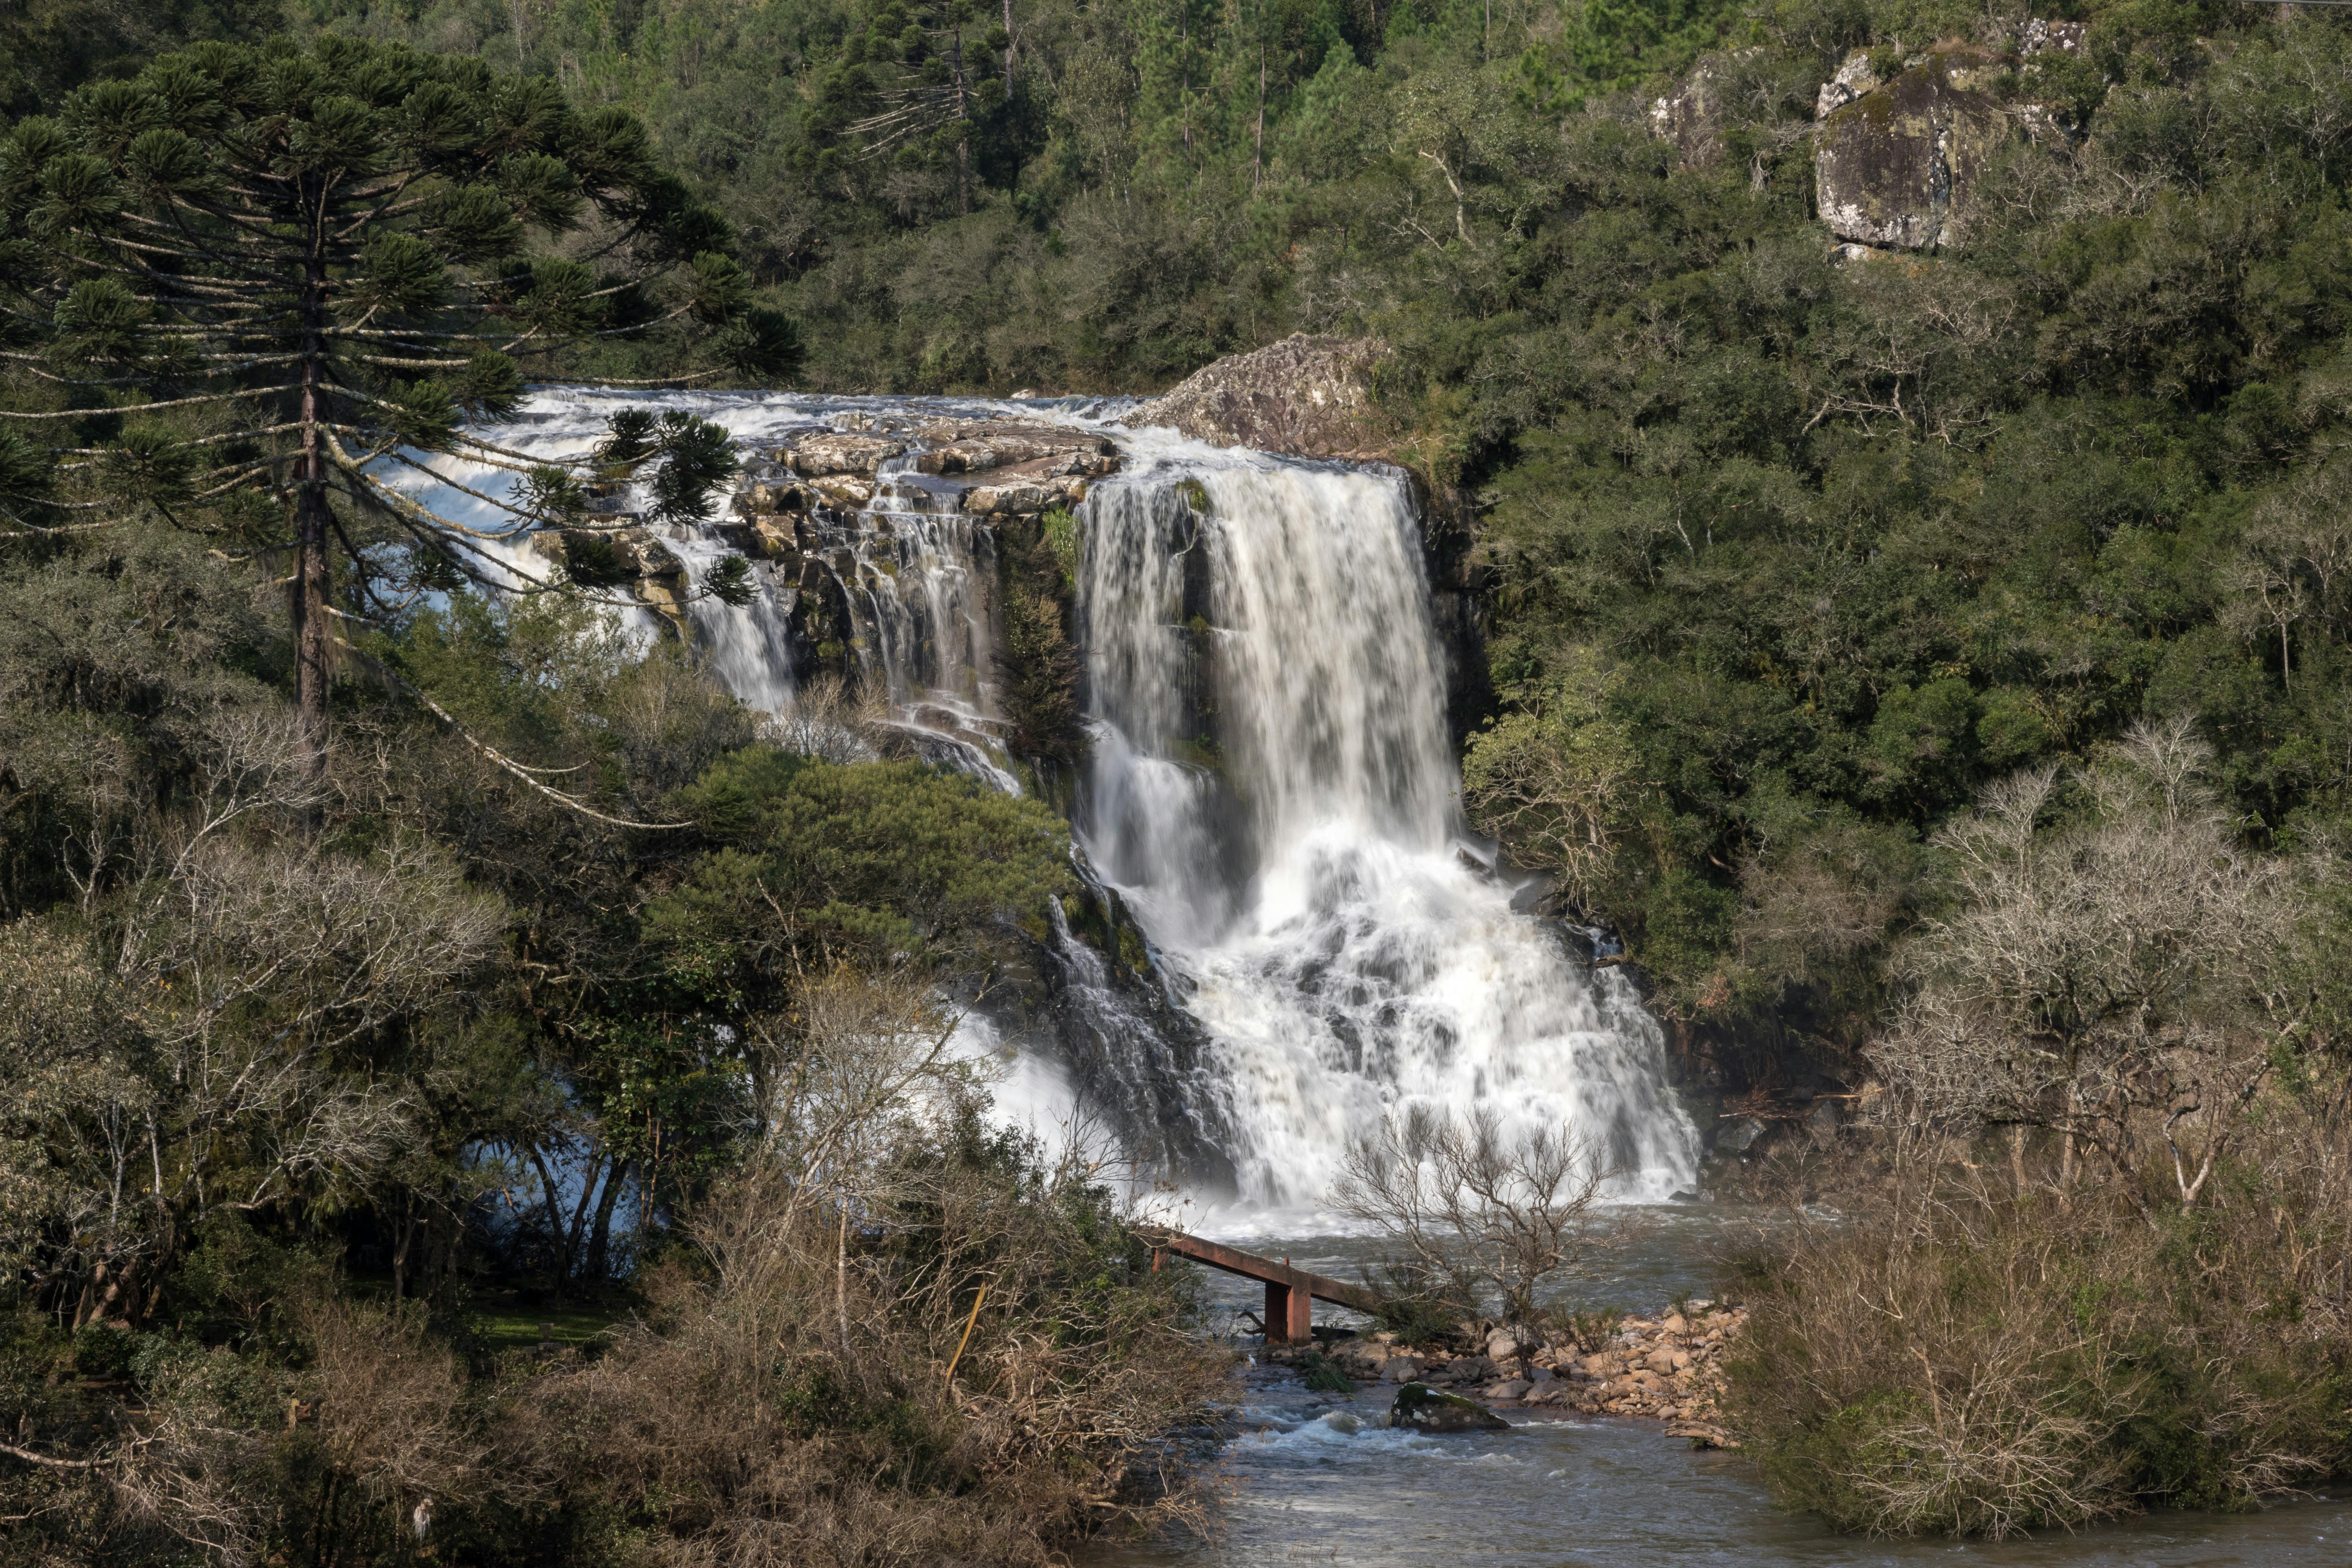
column 1290, row 1294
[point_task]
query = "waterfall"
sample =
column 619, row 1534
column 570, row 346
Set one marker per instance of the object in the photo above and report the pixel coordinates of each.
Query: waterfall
column 1274, row 793
column 1272, row 798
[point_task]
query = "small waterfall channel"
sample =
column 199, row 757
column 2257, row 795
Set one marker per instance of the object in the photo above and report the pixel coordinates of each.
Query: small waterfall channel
column 1302, row 937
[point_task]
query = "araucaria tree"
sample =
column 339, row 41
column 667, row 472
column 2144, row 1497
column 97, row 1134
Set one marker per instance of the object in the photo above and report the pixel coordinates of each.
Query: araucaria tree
column 265, row 286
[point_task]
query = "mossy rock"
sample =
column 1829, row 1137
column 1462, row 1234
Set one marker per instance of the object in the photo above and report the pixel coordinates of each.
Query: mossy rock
column 1899, row 165
column 1421, row 1408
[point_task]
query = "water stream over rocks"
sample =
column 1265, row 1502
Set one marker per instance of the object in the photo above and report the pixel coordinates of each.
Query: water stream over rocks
column 1313, row 1478
column 1270, row 806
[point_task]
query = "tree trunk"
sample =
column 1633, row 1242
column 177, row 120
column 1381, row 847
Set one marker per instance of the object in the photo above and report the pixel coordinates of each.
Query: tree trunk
column 963, row 134
column 555, row 1221
column 1257, row 157
column 400, row 1251
column 578, row 1232
column 1184, row 65
column 1008, row 48
column 600, row 1235
column 312, row 637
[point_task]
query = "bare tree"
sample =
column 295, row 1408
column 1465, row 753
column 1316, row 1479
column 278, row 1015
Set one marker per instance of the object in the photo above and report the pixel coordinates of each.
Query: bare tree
column 2117, row 978
column 203, row 1058
column 1478, row 1205
column 832, row 721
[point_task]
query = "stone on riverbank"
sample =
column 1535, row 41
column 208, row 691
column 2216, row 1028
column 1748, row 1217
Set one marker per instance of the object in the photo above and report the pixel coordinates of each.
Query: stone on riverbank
column 1669, row 1369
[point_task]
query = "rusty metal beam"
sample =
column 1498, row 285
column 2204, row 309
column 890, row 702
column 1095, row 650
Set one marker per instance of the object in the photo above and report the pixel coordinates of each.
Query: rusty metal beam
column 1300, row 1286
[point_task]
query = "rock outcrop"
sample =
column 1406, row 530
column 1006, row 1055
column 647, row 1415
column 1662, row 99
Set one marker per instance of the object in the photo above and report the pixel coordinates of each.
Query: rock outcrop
column 1899, row 163
column 1307, row 397
column 1855, row 76
column 1691, row 116
column 842, row 451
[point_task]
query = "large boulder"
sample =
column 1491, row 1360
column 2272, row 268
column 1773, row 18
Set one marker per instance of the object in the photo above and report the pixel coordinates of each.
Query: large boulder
column 1899, row 164
column 1421, row 1408
column 1691, row 116
column 1308, row 397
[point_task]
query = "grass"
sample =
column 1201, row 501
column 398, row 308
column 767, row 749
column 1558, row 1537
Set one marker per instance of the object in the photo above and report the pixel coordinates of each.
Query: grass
column 507, row 1325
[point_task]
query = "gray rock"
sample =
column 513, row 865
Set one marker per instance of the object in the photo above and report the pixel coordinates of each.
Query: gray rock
column 1422, row 1409
column 1740, row 1136
column 1311, row 397
column 820, row 456
column 1510, row 1388
column 1823, row 1121
column 1899, row 164
column 2037, row 37
column 1691, row 117
column 1854, row 76
column 972, row 447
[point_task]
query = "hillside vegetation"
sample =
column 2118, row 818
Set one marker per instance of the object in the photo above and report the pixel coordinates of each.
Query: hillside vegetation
column 1785, row 558
column 1933, row 661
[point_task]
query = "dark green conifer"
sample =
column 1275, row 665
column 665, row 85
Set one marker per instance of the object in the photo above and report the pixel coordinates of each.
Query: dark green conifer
column 302, row 270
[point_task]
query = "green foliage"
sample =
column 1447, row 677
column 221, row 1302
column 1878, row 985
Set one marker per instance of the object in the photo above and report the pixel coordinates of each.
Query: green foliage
column 1322, row 1375
column 1042, row 673
column 886, row 861
column 2033, row 1365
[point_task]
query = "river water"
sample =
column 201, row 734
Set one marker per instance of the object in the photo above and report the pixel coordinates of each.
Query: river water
column 1313, row 1478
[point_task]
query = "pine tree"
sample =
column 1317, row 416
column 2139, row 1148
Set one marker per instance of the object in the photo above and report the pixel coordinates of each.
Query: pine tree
column 297, row 272
column 931, row 91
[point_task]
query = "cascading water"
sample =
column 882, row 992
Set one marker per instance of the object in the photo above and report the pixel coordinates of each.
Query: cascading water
column 1270, row 796
column 1274, row 793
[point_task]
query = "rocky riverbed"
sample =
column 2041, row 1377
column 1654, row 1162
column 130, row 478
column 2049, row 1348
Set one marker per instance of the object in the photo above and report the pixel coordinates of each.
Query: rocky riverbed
column 1667, row 1368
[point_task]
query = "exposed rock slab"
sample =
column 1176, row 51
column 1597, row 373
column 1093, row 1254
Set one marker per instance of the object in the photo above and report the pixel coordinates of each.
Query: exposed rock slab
column 1899, row 164
column 842, row 451
column 974, row 446
column 1305, row 397
column 1691, row 115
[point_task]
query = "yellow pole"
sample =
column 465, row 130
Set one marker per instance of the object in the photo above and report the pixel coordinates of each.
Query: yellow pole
column 968, row 1323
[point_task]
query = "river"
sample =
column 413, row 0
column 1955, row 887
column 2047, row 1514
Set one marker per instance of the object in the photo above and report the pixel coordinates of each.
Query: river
column 1313, row 1478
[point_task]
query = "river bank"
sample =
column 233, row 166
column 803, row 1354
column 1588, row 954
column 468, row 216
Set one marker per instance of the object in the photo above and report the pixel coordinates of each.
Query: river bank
column 1311, row 1477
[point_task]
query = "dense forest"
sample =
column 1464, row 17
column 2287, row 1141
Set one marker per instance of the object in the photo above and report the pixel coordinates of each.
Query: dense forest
column 1787, row 555
column 1793, row 556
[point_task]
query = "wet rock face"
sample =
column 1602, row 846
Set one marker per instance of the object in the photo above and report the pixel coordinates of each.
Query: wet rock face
column 1306, row 397
column 1899, row 164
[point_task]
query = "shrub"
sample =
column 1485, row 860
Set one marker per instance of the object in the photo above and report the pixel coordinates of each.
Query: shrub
column 1959, row 1361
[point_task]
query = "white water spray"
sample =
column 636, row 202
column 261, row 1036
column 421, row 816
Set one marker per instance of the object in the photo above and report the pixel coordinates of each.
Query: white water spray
column 1347, row 952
